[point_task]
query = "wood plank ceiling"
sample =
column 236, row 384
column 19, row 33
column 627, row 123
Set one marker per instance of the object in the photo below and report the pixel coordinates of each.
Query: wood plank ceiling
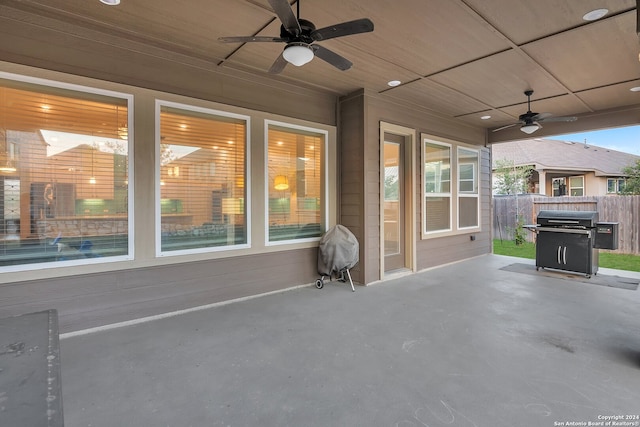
column 460, row 58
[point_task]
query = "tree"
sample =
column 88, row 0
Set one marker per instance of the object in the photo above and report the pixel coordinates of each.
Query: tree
column 511, row 179
column 632, row 183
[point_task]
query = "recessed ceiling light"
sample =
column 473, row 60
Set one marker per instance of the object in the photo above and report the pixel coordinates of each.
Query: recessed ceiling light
column 635, row 89
column 110, row 2
column 595, row 14
column 485, row 117
column 394, row 83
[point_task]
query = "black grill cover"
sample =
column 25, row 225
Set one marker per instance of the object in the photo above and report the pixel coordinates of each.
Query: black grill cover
column 338, row 251
column 568, row 218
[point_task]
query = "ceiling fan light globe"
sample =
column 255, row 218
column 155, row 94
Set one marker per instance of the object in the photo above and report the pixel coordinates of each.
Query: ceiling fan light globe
column 298, row 54
column 530, row 128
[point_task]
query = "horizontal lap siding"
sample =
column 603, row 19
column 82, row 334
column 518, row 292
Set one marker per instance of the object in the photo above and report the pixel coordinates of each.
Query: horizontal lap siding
column 429, row 252
column 99, row 299
column 351, row 185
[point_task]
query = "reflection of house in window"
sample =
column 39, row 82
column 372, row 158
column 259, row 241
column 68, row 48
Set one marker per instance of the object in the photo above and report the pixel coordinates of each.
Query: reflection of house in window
column 202, row 167
column 467, row 177
column 468, row 197
column 437, row 187
column 437, row 177
column 296, row 182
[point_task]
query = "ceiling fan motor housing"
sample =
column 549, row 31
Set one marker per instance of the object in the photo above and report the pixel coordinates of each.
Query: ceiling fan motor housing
column 307, row 28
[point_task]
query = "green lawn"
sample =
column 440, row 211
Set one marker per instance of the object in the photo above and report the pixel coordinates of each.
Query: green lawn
column 528, row 250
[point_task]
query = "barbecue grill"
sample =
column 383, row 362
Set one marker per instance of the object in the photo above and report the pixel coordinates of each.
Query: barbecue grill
column 568, row 240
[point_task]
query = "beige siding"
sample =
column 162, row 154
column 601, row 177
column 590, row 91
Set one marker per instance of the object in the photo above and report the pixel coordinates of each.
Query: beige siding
column 430, row 252
column 92, row 300
column 351, row 142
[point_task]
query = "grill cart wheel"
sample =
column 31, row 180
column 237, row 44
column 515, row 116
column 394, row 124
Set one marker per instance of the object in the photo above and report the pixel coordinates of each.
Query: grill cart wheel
column 319, row 284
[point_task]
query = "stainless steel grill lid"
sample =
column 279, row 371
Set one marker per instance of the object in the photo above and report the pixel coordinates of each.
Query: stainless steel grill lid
column 567, row 218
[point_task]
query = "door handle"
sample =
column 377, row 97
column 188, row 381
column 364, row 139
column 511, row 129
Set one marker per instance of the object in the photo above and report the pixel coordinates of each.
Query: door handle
column 559, row 248
column 564, row 255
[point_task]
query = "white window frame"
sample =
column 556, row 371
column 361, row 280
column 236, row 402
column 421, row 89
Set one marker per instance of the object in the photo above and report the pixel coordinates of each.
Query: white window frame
column 583, row 187
column 616, row 185
column 455, row 194
column 130, row 194
column 468, row 194
column 474, row 180
column 449, row 146
column 324, row 193
column 158, row 211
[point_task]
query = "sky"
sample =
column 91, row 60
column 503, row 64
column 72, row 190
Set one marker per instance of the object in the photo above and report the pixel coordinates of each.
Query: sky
column 625, row 139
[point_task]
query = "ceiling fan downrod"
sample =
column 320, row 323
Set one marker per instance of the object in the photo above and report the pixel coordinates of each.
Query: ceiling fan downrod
column 528, row 93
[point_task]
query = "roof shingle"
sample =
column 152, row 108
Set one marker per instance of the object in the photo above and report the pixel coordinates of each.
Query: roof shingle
column 556, row 154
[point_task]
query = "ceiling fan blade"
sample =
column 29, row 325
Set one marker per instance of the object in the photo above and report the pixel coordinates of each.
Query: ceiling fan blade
column 558, row 119
column 540, row 116
column 248, row 39
column 344, row 29
column 331, row 57
column 278, row 65
column 505, row 127
column 286, row 15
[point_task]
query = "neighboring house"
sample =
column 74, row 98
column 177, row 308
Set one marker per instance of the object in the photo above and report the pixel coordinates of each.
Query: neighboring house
column 564, row 168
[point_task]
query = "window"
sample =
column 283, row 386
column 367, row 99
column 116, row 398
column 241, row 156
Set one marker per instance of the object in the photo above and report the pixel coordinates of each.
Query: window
column 295, row 175
column 202, row 166
column 468, row 198
column 437, row 186
column 64, row 174
column 559, row 187
column 576, row 186
column 615, row 185
column 451, row 188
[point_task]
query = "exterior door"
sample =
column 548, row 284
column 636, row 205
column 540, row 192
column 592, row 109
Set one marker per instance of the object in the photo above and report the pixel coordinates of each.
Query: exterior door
column 394, row 202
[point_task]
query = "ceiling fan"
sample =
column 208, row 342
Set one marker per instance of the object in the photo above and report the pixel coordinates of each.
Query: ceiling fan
column 531, row 121
column 300, row 36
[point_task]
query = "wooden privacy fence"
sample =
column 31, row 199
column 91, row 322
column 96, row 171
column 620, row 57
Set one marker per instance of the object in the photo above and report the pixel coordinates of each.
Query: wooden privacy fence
column 622, row 209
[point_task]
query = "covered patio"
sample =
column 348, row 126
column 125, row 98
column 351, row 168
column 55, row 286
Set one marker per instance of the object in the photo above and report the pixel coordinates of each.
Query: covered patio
column 465, row 344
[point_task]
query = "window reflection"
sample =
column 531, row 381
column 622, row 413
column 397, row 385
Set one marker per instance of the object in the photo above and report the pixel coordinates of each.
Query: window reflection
column 64, row 169
column 202, row 179
column 295, row 171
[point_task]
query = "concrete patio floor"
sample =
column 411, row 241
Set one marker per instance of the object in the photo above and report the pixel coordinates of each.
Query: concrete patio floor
column 466, row 344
